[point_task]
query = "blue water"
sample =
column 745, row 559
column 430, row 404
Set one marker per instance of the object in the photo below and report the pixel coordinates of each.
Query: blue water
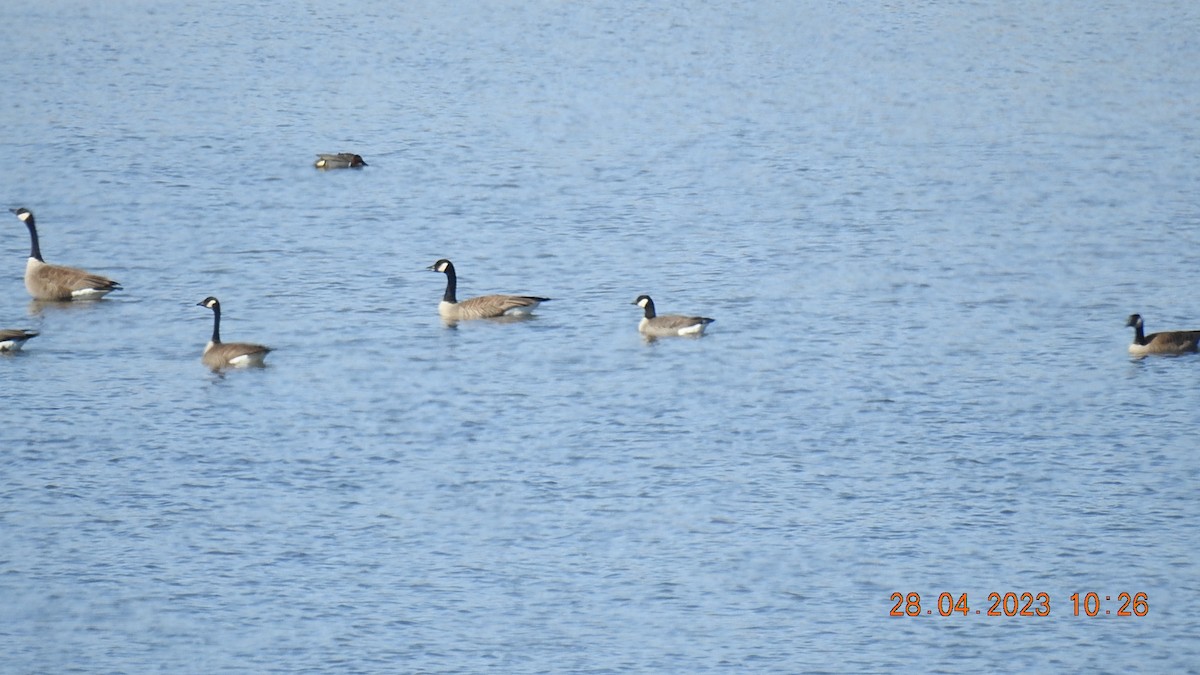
column 919, row 227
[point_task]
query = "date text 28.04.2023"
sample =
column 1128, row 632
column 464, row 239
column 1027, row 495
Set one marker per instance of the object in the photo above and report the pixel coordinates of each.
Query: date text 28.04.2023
column 1022, row 604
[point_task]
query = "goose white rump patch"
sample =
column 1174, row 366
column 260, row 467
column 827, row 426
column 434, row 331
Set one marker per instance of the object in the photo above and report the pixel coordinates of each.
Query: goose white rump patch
column 246, row 360
column 89, row 294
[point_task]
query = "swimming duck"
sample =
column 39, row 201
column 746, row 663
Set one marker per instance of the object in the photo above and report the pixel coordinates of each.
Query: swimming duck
column 341, row 160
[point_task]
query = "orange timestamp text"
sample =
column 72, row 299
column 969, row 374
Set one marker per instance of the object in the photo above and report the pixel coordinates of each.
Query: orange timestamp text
column 1021, row 604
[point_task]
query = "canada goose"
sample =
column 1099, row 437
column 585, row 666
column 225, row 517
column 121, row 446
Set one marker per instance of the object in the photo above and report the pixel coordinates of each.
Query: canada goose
column 483, row 307
column 56, row 282
column 341, row 160
column 218, row 355
column 1167, row 342
column 653, row 325
column 12, row 339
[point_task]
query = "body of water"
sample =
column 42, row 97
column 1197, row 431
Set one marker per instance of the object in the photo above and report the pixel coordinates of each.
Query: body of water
column 919, row 226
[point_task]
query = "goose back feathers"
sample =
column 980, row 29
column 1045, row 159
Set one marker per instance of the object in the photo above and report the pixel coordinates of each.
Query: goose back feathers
column 12, row 339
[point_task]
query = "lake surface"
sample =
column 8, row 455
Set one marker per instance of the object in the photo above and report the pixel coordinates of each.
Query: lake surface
column 920, row 228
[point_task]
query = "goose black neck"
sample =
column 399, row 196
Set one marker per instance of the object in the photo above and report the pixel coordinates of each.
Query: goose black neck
column 216, row 336
column 649, row 308
column 1139, row 334
column 451, row 285
column 35, row 251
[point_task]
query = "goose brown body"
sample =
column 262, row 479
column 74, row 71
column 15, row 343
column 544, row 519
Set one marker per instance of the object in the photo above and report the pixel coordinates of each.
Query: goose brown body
column 1166, row 342
column 12, row 339
column 59, row 282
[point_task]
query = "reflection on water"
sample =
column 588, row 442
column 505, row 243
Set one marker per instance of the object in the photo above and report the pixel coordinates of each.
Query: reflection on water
column 36, row 308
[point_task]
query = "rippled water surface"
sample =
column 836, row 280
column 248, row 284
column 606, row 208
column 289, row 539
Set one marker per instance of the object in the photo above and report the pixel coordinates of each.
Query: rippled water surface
column 920, row 228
